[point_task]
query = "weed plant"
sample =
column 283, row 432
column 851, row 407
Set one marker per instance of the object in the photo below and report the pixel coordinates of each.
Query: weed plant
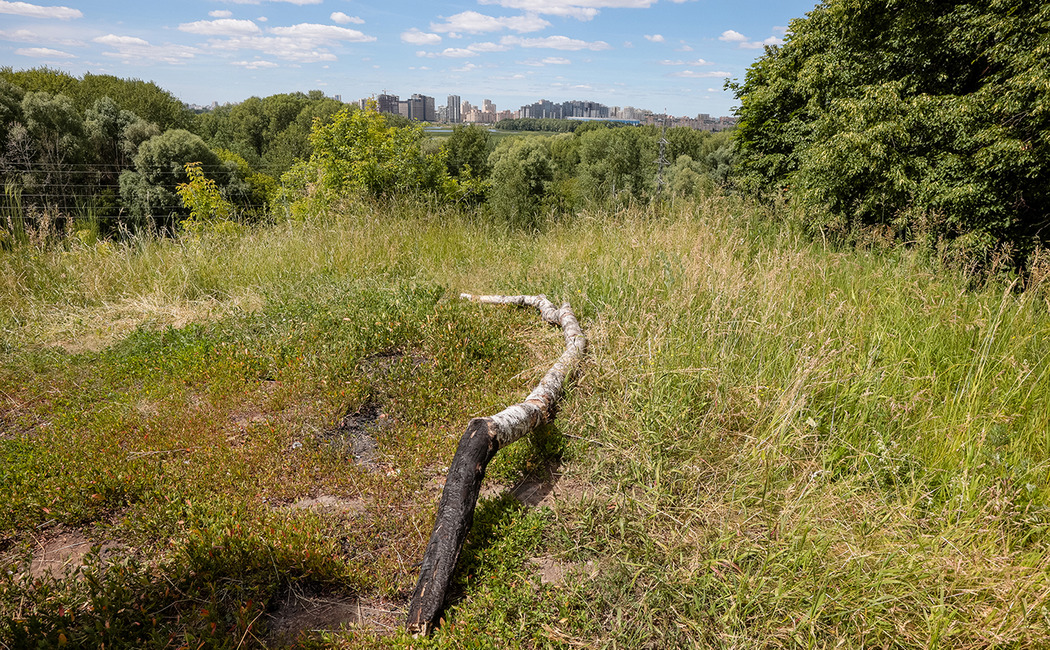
column 772, row 443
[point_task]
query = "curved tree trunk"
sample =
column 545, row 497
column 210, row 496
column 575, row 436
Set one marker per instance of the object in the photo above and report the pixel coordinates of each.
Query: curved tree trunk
column 479, row 444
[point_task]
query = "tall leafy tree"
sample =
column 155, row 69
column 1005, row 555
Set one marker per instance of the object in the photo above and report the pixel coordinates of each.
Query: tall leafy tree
column 467, row 151
column 522, row 172
column 359, row 152
column 930, row 119
column 149, row 190
column 617, row 163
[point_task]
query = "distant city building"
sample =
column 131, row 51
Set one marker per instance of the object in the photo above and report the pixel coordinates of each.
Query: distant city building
column 457, row 110
column 388, row 104
column 574, row 108
column 428, row 114
column 453, row 109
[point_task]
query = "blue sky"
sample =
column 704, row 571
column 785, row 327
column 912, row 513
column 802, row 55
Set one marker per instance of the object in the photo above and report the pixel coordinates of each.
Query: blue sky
column 669, row 55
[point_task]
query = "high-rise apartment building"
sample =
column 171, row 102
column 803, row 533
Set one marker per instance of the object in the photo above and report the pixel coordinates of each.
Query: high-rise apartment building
column 388, row 104
column 455, row 116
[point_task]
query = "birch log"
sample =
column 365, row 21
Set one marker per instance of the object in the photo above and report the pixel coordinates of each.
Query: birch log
column 479, row 444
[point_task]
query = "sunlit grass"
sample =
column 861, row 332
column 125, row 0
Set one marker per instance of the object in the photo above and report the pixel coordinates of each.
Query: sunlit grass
column 770, row 443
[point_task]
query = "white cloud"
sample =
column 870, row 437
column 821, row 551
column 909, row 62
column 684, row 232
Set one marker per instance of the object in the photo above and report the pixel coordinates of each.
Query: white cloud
column 221, row 13
column 258, row 64
column 690, row 74
column 654, row 38
column 121, row 41
column 487, row 47
column 680, row 62
column 467, row 67
column 449, row 52
column 417, row 37
column 472, row 22
column 44, row 53
column 731, row 36
column 579, row 9
column 555, row 43
column 755, row 45
column 550, row 60
column 221, row 27
column 303, row 43
column 134, row 49
column 27, row 36
column 37, row 11
column 289, row 49
column 343, row 19
column 322, row 33
column 683, row 48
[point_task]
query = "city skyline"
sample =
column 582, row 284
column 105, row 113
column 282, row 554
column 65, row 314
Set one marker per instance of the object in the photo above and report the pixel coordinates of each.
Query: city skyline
column 669, row 56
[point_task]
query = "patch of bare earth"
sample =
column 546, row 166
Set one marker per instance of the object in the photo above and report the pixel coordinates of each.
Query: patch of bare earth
column 354, row 437
column 301, row 614
column 556, row 573
column 329, row 504
column 16, row 418
column 61, row 553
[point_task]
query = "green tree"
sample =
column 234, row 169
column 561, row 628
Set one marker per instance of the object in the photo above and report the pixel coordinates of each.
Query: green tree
column 359, row 152
column 930, row 119
column 10, row 110
column 201, row 196
column 617, row 163
column 148, row 190
column 521, row 174
column 467, row 151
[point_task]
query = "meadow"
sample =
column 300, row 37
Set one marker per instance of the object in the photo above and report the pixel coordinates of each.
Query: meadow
column 237, row 438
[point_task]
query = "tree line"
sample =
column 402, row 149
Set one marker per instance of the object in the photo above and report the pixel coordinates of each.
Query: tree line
column 111, row 152
column 519, row 180
column 924, row 123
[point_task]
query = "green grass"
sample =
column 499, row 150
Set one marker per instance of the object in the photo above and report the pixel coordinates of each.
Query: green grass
column 770, row 443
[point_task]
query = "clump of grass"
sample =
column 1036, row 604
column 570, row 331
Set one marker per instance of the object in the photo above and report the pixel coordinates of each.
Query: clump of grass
column 780, row 443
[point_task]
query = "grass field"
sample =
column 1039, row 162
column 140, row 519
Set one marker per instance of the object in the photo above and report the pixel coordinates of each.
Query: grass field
column 239, row 440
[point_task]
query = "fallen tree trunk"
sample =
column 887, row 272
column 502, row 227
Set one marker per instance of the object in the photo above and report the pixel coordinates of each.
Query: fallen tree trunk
column 479, row 444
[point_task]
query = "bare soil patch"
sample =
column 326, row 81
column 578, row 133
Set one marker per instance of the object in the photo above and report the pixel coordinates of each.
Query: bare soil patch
column 61, row 553
column 541, row 487
column 353, row 436
column 328, row 503
column 299, row 614
column 559, row 574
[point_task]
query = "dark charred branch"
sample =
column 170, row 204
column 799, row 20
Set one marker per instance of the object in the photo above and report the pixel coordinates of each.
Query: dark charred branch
column 479, row 444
